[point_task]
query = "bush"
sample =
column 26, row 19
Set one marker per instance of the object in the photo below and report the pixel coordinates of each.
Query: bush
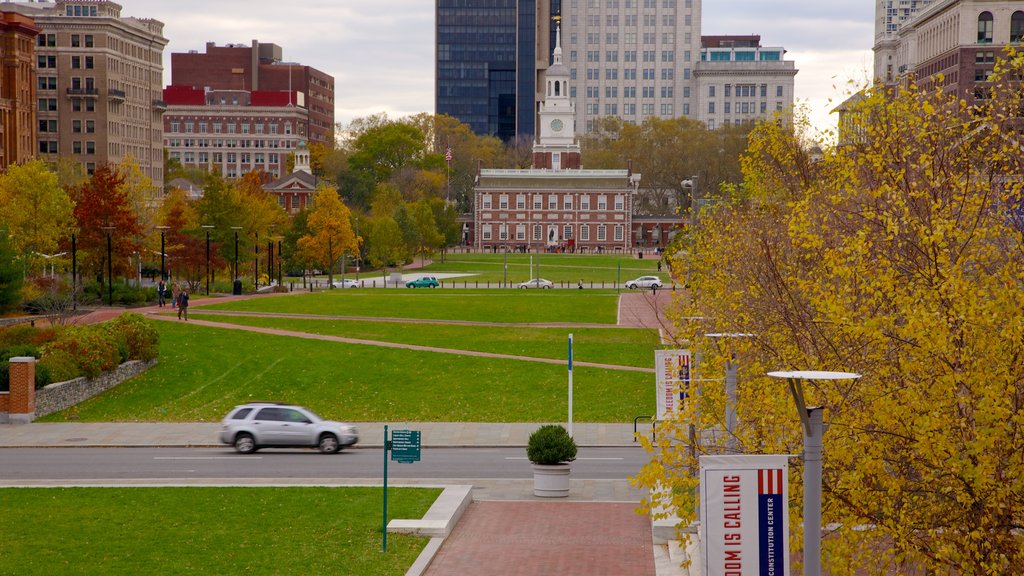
column 92, row 350
column 550, row 444
column 14, row 351
column 138, row 336
column 61, row 366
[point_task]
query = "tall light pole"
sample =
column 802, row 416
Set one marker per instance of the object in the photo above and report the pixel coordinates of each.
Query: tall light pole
column 207, row 227
column 74, row 270
column 730, row 386
column 256, row 261
column 163, row 270
column 813, row 425
column 110, row 269
column 359, row 249
column 280, row 276
column 234, row 269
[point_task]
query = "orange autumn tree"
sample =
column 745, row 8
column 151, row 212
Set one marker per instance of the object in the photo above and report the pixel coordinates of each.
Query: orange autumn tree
column 330, row 232
column 898, row 256
column 102, row 206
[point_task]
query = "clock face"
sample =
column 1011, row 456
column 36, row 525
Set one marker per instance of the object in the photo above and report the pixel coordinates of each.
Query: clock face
column 556, row 125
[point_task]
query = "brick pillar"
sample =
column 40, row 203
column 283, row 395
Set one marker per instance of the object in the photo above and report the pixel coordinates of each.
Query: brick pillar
column 22, row 408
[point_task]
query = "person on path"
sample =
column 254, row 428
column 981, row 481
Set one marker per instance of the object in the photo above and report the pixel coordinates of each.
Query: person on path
column 654, row 289
column 175, row 292
column 160, row 293
column 183, row 304
column 580, row 285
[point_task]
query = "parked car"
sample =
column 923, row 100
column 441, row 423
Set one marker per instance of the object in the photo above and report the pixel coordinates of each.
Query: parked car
column 537, row 283
column 423, row 282
column 249, row 427
column 345, row 283
column 644, row 282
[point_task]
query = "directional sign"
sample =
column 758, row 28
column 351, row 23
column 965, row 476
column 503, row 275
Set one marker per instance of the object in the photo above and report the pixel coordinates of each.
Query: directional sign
column 405, row 446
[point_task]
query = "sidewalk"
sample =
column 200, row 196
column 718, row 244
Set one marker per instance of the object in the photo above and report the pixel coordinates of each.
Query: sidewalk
column 371, row 434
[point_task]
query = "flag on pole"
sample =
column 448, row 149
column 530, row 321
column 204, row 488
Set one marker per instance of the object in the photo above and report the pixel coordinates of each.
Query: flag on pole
column 448, row 154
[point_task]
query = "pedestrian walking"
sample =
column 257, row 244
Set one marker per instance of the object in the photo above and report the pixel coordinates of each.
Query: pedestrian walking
column 160, row 287
column 183, row 304
column 580, row 285
column 175, row 292
column 659, row 265
column 654, row 289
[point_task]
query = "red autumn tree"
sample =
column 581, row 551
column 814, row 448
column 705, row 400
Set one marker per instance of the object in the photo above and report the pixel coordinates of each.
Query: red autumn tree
column 101, row 206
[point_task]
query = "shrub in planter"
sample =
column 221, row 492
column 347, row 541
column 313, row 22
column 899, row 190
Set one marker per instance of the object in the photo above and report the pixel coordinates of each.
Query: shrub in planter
column 139, row 336
column 61, row 366
column 550, row 444
column 90, row 346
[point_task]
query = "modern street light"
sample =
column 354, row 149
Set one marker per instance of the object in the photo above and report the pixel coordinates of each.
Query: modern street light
column 208, row 227
column 234, row 270
column 163, row 251
column 110, row 268
column 812, row 420
column 730, row 386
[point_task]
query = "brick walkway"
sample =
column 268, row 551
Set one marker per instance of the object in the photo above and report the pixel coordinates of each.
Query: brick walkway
column 548, row 539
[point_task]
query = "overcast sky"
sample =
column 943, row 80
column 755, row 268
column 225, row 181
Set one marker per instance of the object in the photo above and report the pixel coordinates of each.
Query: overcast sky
column 381, row 52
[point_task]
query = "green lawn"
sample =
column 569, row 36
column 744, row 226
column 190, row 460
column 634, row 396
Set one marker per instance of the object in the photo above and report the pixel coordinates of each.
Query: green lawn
column 203, row 372
column 225, row 531
column 620, row 346
column 505, row 306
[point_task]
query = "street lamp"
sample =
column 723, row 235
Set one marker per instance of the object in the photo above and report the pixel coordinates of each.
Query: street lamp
column 359, row 249
column 163, row 269
column 811, row 418
column 234, row 270
column 256, row 261
column 207, row 227
column 74, row 269
column 110, row 268
column 730, row 387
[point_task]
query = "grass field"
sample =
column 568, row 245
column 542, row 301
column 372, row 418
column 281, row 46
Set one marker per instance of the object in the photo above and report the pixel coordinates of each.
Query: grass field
column 225, row 531
column 505, row 306
column 203, row 372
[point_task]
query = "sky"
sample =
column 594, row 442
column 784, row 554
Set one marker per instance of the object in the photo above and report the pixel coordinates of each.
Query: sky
column 381, row 52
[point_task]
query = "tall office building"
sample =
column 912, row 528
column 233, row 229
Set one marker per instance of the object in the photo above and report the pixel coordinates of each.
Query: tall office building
column 259, row 67
column 890, row 15
column 17, row 88
column 951, row 44
column 99, row 78
column 489, row 62
column 738, row 81
column 631, row 58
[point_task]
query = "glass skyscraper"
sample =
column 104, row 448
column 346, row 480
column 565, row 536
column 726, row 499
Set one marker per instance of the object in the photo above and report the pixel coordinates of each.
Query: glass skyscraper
column 486, row 67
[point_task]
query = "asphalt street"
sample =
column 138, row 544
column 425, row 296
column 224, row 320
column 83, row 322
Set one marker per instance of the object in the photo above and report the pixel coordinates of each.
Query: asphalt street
column 121, row 464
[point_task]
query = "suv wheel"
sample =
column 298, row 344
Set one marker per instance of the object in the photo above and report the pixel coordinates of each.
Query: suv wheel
column 245, row 444
column 329, row 444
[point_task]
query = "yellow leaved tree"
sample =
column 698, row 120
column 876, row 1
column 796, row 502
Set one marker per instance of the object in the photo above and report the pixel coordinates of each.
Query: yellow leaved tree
column 330, row 232
column 898, row 255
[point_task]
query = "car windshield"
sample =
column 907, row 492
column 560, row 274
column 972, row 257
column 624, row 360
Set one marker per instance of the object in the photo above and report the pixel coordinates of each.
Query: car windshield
column 313, row 415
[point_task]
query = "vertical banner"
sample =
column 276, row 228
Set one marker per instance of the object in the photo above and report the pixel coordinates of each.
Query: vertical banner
column 744, row 515
column 672, row 368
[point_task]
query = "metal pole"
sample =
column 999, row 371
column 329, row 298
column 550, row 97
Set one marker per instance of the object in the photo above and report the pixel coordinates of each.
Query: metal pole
column 256, row 262
column 280, row 277
column 74, row 272
column 207, row 262
column 812, row 492
column 110, row 274
column 234, row 270
column 570, row 385
column 730, row 405
column 163, row 275
column 384, row 523
column 504, row 282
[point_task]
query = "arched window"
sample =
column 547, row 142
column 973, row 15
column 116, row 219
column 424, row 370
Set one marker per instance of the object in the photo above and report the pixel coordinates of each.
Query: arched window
column 558, row 88
column 1017, row 27
column 985, row 28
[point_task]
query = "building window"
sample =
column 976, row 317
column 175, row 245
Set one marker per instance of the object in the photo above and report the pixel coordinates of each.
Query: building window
column 47, row 146
column 47, row 82
column 90, row 62
column 47, row 104
column 90, row 147
column 295, row 201
column 76, row 41
column 602, row 202
column 985, row 28
column 88, row 41
column 601, row 233
column 46, row 61
column 503, row 232
column 567, row 202
column 520, row 202
column 619, row 203
column 537, row 202
column 76, row 126
column 520, row 231
column 1017, row 27
column 76, row 62
column 76, row 147
column 585, row 232
column 585, row 202
column 46, row 40
column 503, row 202
column 487, row 201
column 711, row 107
column 618, row 232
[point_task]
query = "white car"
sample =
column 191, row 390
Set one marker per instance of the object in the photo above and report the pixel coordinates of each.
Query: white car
column 537, row 283
column 256, row 425
column 644, row 282
column 346, row 283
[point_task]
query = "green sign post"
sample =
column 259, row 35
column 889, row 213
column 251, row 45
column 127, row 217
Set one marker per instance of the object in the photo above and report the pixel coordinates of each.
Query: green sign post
column 405, row 449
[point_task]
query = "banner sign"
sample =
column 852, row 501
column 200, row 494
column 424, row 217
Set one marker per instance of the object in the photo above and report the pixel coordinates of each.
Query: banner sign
column 673, row 376
column 744, row 515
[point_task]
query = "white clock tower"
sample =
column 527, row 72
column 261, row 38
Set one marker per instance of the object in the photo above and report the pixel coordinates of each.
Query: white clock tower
column 556, row 148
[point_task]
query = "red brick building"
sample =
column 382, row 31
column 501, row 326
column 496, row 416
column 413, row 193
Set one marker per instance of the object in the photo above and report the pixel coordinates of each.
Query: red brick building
column 259, row 68
column 17, row 88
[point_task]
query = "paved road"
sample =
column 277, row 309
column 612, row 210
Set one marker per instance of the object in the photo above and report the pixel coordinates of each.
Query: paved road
column 120, row 464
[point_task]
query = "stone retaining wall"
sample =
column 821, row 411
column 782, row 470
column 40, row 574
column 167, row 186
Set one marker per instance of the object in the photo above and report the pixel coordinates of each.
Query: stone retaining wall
column 60, row 395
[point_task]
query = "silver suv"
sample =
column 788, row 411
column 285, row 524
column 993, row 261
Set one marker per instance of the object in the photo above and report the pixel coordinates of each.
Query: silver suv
column 256, row 425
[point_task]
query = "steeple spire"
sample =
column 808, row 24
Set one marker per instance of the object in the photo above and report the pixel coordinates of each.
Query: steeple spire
column 558, row 44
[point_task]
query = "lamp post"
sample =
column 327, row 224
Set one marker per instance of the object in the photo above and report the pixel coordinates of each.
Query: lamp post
column 730, row 387
column 234, row 269
column 110, row 268
column 280, row 277
column 359, row 249
column 163, row 251
column 814, row 429
column 74, row 270
column 207, row 227
column 256, row 261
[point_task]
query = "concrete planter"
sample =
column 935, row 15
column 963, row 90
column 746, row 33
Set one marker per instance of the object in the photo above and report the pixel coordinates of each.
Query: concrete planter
column 551, row 480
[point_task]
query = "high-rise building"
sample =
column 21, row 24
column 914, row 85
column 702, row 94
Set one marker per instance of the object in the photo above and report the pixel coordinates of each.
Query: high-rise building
column 890, row 15
column 632, row 59
column 17, row 88
column 487, row 62
column 259, row 67
column 99, row 78
column 738, row 81
column 951, row 44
